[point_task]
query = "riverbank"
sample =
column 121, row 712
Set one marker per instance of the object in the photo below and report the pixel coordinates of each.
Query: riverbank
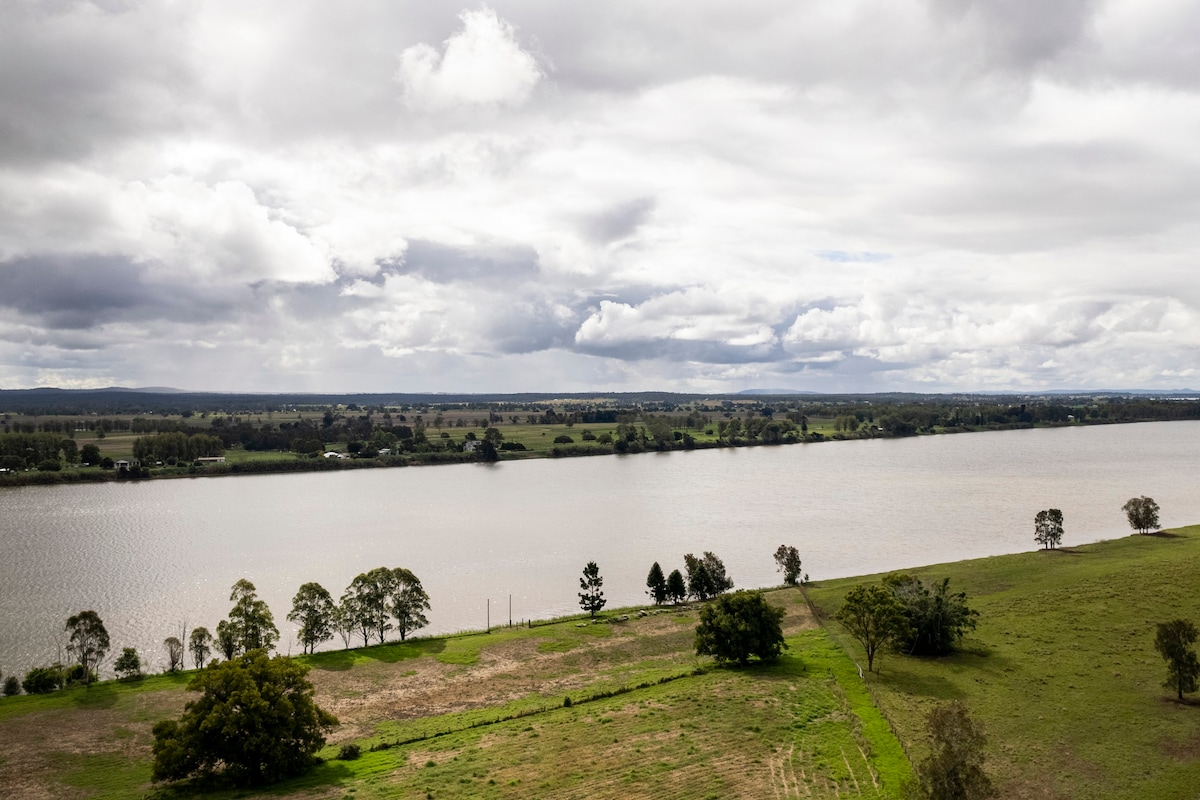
column 1061, row 673
column 540, row 443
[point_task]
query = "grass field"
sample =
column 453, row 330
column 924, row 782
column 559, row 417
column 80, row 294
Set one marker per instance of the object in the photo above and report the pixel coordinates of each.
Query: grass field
column 485, row 716
column 1062, row 670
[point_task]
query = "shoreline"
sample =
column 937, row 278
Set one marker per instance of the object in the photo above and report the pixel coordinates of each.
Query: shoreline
column 301, row 464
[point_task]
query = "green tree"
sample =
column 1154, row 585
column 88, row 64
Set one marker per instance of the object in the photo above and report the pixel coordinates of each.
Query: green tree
column 12, row 686
column 368, row 599
column 312, row 610
column 227, row 639
column 200, row 645
column 656, row 584
column 591, row 599
column 252, row 621
column 174, row 649
column 1048, row 528
column 1174, row 641
column 676, row 587
column 739, row 625
column 1142, row 513
column 954, row 768
column 90, row 454
column 255, row 722
column 89, row 642
column 874, row 617
column 788, row 559
column 409, row 602
column 343, row 622
column 937, row 618
column 706, row 576
column 128, row 665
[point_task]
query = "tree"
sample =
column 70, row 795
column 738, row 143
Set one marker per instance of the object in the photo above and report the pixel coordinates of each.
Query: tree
column 174, row 649
column 1174, row 641
column 227, row 639
column 367, row 598
column 409, row 602
column 788, row 559
column 1142, row 513
column 200, row 645
column 268, row 705
column 706, row 576
column 90, row 454
column 591, row 599
column 936, row 618
column 656, row 585
column 874, row 617
column 954, row 768
column 89, row 642
column 739, row 625
column 676, row 588
column 251, row 620
column 1048, row 528
column 312, row 609
column 343, row 623
column 12, row 686
column 128, row 665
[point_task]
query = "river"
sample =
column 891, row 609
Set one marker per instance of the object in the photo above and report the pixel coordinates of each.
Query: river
column 154, row 557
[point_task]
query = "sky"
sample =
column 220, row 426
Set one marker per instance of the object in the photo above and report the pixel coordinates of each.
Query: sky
column 372, row 196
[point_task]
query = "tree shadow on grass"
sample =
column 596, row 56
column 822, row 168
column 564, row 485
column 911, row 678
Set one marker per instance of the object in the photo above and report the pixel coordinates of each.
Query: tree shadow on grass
column 98, row 695
column 925, row 684
column 389, row 653
column 217, row 787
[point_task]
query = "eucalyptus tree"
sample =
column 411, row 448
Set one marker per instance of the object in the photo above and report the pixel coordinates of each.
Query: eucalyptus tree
column 200, row 645
column 174, row 648
column 312, row 610
column 1048, row 528
column 409, row 602
column 88, row 643
column 251, row 619
column 368, row 599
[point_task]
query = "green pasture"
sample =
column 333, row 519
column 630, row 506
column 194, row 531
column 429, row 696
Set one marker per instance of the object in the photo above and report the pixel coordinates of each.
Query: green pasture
column 1061, row 670
column 646, row 718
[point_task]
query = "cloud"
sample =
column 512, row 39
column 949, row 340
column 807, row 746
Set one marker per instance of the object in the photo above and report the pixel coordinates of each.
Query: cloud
column 870, row 195
column 480, row 65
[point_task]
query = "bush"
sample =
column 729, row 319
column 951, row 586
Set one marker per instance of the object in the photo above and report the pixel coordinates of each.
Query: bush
column 349, row 752
column 562, row 438
column 12, row 686
column 267, row 700
column 128, row 665
column 739, row 625
column 49, row 465
column 42, row 680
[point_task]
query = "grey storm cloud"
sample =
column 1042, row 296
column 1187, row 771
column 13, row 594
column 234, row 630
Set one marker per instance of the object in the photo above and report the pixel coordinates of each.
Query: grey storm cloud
column 524, row 195
column 85, row 291
column 443, row 263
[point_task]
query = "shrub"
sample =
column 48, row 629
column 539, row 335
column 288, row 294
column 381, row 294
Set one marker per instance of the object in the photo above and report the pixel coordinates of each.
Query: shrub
column 12, row 686
column 349, row 752
column 49, row 465
column 562, row 438
column 128, row 665
column 42, row 680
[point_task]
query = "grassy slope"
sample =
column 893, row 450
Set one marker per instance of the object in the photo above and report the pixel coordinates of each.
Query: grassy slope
column 1062, row 669
column 643, row 722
